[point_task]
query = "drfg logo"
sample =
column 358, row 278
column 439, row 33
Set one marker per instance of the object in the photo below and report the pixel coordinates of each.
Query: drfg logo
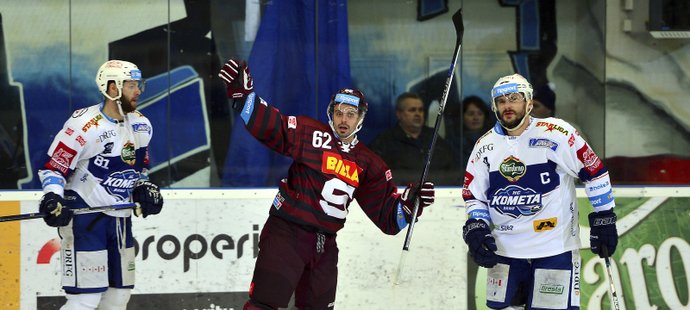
column 169, row 247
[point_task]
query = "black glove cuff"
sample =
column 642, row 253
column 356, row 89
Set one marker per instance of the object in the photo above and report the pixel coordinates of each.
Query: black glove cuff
column 474, row 225
column 602, row 219
column 238, row 103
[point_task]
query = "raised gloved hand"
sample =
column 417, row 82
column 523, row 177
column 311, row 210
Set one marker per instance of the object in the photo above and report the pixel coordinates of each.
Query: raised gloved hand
column 238, row 81
column 603, row 232
column 426, row 198
column 56, row 212
column 148, row 195
column 481, row 243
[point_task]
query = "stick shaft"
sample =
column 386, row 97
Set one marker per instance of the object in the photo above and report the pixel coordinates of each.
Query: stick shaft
column 37, row 215
column 459, row 32
column 459, row 29
column 612, row 287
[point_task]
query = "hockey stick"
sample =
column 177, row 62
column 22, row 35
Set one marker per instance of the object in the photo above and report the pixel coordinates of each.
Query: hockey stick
column 459, row 32
column 614, row 296
column 38, row 215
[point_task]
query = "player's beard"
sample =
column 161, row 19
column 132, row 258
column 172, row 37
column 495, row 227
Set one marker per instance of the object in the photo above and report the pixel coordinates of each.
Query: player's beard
column 515, row 122
column 127, row 105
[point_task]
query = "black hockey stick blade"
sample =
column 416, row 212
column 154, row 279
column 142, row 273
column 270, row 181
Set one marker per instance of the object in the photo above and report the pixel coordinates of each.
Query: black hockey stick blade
column 459, row 26
column 459, row 32
column 38, row 215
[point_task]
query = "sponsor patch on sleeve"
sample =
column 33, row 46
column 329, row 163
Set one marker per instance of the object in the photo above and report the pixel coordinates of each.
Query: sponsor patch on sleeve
column 589, row 159
column 292, row 122
column 466, row 194
column 61, row 159
column 389, row 175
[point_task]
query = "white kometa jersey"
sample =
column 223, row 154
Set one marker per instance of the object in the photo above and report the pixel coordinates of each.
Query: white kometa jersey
column 524, row 186
column 100, row 158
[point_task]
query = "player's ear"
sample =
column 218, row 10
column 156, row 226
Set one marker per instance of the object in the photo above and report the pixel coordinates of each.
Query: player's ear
column 112, row 87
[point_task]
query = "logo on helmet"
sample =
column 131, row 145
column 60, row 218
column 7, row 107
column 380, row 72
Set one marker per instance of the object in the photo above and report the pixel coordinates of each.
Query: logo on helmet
column 504, row 89
column 348, row 99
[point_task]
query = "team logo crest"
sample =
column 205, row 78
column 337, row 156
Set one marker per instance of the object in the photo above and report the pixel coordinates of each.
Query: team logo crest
column 516, row 201
column 512, row 169
column 120, row 183
column 128, row 153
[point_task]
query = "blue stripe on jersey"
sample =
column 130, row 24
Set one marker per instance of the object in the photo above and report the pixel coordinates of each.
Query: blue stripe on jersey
column 57, row 180
column 600, row 200
column 400, row 217
column 248, row 108
column 480, row 214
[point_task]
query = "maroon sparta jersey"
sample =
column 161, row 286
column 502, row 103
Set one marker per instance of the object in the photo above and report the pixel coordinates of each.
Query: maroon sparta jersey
column 325, row 175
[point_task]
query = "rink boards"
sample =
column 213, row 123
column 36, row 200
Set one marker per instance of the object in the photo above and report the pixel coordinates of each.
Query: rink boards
column 199, row 254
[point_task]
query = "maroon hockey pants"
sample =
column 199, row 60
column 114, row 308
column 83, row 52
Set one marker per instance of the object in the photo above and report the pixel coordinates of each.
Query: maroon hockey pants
column 294, row 259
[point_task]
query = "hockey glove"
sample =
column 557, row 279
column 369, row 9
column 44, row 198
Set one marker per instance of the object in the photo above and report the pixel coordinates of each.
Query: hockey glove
column 481, row 243
column 148, row 195
column 426, row 198
column 57, row 214
column 603, row 232
column 238, row 82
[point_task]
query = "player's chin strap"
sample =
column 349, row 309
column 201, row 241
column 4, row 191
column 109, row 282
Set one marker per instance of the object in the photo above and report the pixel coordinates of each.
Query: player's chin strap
column 127, row 124
column 527, row 112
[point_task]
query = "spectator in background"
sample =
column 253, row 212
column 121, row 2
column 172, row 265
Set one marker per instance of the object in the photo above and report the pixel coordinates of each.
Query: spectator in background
column 404, row 147
column 477, row 119
column 544, row 102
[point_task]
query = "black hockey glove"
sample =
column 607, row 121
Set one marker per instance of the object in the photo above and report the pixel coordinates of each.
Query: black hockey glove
column 426, row 198
column 148, row 195
column 57, row 214
column 480, row 242
column 238, row 82
column 603, row 232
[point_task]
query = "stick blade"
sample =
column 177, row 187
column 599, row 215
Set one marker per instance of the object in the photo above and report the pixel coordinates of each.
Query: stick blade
column 459, row 26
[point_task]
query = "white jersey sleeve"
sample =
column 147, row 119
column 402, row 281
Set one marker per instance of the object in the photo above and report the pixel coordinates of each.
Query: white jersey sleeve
column 581, row 161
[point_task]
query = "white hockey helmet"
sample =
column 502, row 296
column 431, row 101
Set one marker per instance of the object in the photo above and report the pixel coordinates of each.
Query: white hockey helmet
column 117, row 71
column 514, row 83
column 350, row 96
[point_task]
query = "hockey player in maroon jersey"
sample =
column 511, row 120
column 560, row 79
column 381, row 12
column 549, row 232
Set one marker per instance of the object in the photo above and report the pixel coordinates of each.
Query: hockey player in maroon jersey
column 298, row 251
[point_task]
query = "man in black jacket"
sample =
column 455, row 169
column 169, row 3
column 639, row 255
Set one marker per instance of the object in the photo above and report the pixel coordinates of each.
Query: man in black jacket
column 404, row 146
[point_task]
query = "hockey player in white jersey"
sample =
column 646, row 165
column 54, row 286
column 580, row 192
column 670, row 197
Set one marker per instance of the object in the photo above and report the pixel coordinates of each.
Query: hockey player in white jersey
column 100, row 158
column 519, row 191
